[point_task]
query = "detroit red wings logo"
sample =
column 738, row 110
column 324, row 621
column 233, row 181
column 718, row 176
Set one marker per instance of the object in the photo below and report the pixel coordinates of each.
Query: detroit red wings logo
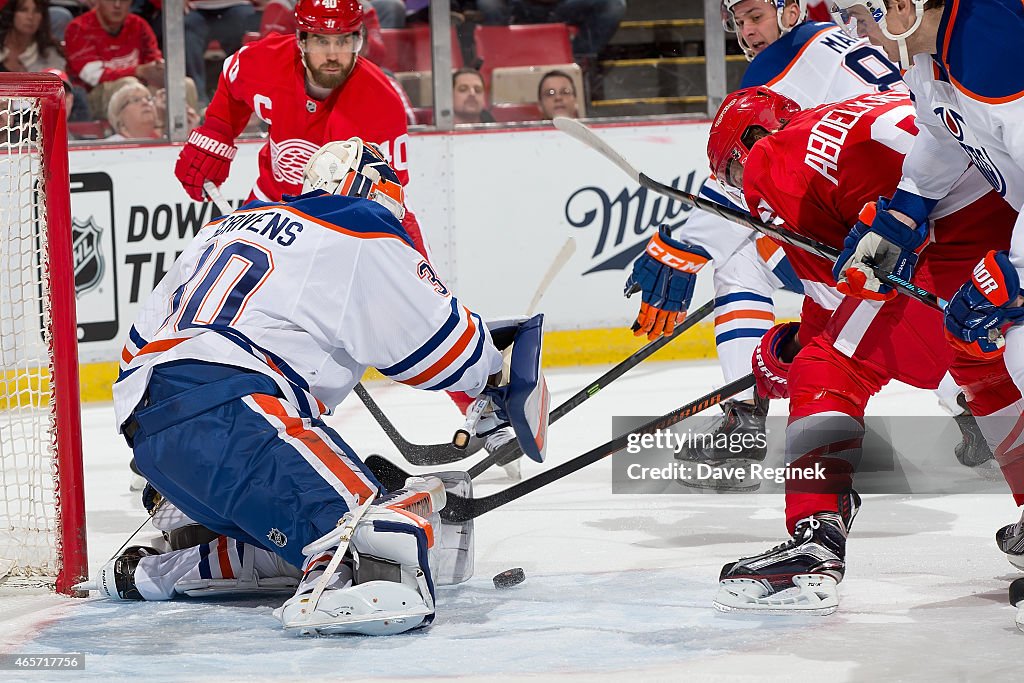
column 767, row 213
column 288, row 158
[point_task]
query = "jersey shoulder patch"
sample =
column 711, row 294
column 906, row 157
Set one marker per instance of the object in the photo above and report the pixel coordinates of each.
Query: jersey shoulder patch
column 979, row 49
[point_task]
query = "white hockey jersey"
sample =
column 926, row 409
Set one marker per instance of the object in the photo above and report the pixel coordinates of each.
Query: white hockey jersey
column 309, row 292
column 815, row 63
column 970, row 104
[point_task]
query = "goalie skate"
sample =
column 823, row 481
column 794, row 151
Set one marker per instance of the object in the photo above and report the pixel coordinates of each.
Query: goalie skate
column 370, row 575
column 799, row 576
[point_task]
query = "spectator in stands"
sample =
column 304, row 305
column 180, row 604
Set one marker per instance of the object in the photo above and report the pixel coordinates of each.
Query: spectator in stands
column 597, row 20
column 556, row 94
column 469, row 97
column 131, row 112
column 26, row 43
column 226, row 21
column 108, row 44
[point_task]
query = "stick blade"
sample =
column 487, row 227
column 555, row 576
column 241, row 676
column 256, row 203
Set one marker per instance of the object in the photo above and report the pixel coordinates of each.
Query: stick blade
column 588, row 137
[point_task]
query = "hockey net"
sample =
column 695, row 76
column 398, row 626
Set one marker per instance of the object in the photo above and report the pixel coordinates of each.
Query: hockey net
column 42, row 520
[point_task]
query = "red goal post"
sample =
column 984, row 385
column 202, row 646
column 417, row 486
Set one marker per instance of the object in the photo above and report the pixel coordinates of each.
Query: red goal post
column 42, row 504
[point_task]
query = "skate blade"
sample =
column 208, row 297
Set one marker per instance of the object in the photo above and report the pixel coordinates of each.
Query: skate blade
column 813, row 595
column 374, row 624
column 1020, row 619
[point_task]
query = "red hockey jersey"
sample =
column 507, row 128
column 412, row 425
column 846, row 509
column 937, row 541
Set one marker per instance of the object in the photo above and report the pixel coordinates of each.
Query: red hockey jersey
column 268, row 77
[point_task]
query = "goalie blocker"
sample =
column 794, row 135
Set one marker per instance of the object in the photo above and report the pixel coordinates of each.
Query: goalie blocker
column 520, row 398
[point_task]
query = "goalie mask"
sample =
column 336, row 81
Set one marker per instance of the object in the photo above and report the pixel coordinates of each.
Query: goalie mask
column 355, row 169
column 729, row 19
column 855, row 17
column 745, row 117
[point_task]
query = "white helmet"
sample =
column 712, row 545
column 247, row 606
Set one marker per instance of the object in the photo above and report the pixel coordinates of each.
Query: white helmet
column 875, row 9
column 355, row 169
column 729, row 21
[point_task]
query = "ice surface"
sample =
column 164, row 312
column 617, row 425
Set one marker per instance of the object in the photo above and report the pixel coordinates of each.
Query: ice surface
column 618, row 587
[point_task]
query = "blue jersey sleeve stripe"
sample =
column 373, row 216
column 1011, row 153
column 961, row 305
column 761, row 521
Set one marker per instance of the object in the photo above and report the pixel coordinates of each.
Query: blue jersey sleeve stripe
column 428, row 347
column 470, row 362
column 136, row 338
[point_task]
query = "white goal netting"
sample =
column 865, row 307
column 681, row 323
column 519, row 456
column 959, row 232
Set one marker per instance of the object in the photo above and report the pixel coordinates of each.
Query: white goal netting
column 29, row 509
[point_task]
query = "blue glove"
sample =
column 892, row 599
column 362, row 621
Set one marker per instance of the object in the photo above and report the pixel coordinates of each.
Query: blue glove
column 666, row 273
column 880, row 239
column 977, row 314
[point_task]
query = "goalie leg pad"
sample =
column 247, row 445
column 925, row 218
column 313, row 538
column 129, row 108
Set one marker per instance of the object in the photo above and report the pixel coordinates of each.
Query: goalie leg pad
column 388, row 549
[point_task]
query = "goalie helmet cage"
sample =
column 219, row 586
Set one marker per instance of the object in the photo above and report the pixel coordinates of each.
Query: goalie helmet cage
column 42, row 504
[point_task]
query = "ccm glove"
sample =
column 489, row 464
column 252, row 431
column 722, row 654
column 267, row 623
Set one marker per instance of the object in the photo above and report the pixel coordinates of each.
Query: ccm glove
column 665, row 274
column 206, row 156
column 880, row 239
column 979, row 312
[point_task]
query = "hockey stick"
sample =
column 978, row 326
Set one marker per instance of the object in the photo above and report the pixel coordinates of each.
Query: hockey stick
column 588, row 137
column 214, row 193
column 429, row 455
column 460, row 509
column 512, row 448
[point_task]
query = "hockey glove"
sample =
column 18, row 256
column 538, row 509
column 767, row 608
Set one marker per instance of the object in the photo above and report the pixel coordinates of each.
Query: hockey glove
column 206, row 156
column 665, row 273
column 880, row 239
column 979, row 312
column 772, row 359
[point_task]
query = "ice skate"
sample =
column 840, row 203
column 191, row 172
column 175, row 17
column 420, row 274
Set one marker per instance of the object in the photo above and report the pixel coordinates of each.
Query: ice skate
column 370, row 574
column 502, row 441
column 739, row 440
column 973, row 449
column 796, row 577
column 1010, row 540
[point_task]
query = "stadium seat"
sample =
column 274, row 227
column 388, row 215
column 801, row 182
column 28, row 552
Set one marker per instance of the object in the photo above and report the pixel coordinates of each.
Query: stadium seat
column 90, row 130
column 424, row 115
column 408, row 49
column 516, row 112
column 521, row 45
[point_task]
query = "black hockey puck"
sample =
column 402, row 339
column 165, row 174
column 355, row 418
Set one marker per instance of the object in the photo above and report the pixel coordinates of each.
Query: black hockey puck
column 509, row 578
column 1016, row 590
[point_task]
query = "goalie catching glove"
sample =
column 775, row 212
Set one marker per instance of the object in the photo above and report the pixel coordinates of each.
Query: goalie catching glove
column 206, row 156
column 880, row 239
column 977, row 314
column 518, row 395
column 666, row 274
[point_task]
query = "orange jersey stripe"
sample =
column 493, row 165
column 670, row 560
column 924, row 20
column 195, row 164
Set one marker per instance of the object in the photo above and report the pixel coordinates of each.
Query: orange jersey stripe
column 158, row 346
column 324, row 453
column 447, row 358
column 222, row 558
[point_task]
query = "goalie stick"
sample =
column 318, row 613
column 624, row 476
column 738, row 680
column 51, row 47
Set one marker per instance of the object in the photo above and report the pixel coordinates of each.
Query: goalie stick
column 460, row 509
column 444, row 453
column 588, row 137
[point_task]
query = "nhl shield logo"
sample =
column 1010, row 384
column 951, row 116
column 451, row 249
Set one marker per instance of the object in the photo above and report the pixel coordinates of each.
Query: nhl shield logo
column 89, row 265
column 278, row 538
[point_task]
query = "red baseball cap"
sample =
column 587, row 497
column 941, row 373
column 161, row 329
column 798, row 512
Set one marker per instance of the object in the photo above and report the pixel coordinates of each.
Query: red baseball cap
column 59, row 73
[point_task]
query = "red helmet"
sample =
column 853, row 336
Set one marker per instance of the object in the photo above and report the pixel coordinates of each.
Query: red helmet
column 735, row 128
column 328, row 16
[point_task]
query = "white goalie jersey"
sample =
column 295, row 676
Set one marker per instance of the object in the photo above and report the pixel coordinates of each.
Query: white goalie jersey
column 309, row 292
